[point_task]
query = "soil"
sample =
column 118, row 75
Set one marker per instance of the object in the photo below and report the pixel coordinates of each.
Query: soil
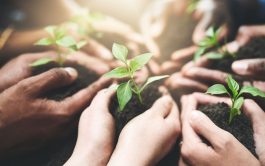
column 135, row 108
column 57, row 152
column 177, row 35
column 255, row 48
column 240, row 127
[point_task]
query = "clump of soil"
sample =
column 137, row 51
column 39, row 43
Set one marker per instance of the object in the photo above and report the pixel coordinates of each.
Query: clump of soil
column 240, row 127
column 177, row 35
column 135, row 108
column 254, row 49
column 85, row 78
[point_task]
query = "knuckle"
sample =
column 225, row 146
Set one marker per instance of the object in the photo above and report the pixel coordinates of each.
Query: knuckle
column 187, row 151
column 58, row 74
column 259, row 66
column 226, row 140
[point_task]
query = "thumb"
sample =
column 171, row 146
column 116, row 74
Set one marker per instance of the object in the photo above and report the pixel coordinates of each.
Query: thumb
column 49, row 80
column 250, row 67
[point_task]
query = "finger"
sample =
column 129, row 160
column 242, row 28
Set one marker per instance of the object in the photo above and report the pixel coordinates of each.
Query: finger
column 184, row 55
column 177, row 81
column 201, row 62
column 254, row 112
column 89, row 62
column 203, row 74
column 201, row 28
column 52, row 79
column 232, row 47
column 154, row 67
column 82, row 99
column 208, row 99
column 174, row 115
column 188, row 103
column 96, row 49
column 203, row 126
column 170, row 67
column 250, row 67
column 102, row 99
column 162, row 106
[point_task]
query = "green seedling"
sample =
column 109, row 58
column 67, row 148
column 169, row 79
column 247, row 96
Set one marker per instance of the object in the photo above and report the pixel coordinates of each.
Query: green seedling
column 210, row 41
column 192, row 5
column 235, row 93
column 126, row 89
column 85, row 20
column 63, row 43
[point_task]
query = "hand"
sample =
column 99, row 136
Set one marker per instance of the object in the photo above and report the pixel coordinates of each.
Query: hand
column 192, row 127
column 149, row 137
column 19, row 68
column 96, row 133
column 244, row 35
column 28, row 121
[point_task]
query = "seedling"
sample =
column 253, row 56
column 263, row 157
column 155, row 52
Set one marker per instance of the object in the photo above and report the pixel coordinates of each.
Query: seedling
column 235, row 93
column 125, row 90
column 192, row 5
column 210, row 41
column 63, row 43
column 85, row 20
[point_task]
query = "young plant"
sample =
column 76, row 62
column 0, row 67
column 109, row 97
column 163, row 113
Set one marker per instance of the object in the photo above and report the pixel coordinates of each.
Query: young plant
column 63, row 43
column 125, row 90
column 192, row 5
column 210, row 41
column 235, row 93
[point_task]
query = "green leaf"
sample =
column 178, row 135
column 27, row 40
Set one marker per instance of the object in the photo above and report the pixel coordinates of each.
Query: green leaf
column 153, row 79
column 81, row 44
column 120, row 52
column 66, row 41
column 119, row 72
column 41, row 61
column 44, row 42
column 252, row 90
column 217, row 89
column 238, row 103
column 51, row 30
column 210, row 32
column 214, row 55
column 233, row 85
column 139, row 61
column 124, row 94
column 199, row 53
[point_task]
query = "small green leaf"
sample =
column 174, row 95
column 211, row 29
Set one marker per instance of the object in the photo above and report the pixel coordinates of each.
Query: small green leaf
column 233, row 85
column 238, row 103
column 66, row 42
column 81, row 44
column 51, row 30
column 252, row 90
column 139, row 61
column 152, row 79
column 199, row 53
column 120, row 52
column 119, row 72
column 217, row 89
column 214, row 55
column 44, row 42
column 210, row 32
column 124, row 94
column 41, row 61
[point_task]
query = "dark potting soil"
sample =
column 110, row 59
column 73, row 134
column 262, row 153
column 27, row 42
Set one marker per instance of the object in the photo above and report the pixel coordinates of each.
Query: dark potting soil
column 240, row 127
column 255, row 48
column 177, row 35
column 85, row 78
column 135, row 108
column 59, row 151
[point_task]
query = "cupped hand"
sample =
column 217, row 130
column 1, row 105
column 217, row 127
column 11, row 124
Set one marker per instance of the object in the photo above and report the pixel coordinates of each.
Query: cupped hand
column 149, row 137
column 224, row 147
column 95, row 142
column 28, row 121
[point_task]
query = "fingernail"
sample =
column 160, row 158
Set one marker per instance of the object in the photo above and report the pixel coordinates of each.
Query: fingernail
column 72, row 72
column 240, row 67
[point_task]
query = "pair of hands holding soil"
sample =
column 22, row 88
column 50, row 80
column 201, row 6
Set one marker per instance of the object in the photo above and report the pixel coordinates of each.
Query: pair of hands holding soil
column 146, row 139
column 197, row 76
